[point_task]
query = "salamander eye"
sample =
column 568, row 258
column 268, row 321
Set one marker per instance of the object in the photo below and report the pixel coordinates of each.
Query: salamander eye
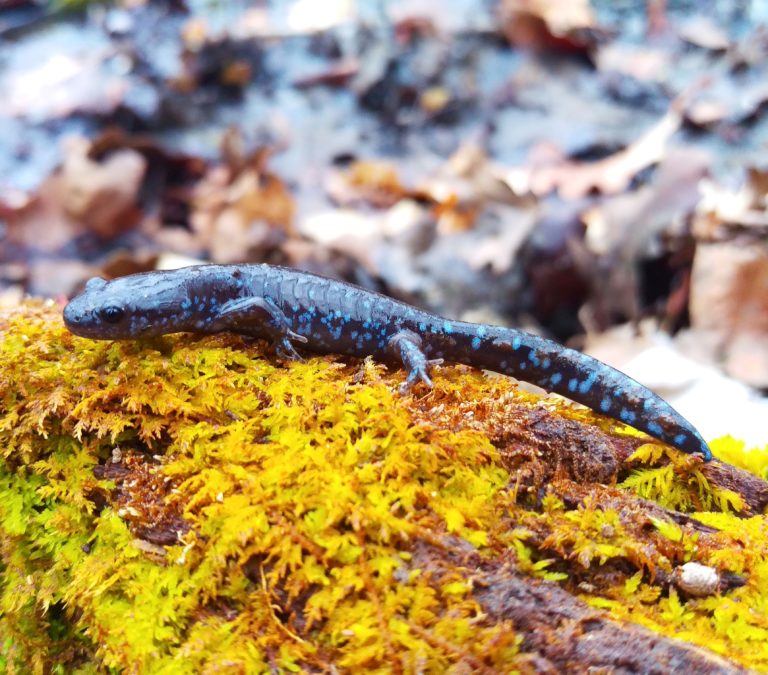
column 112, row 314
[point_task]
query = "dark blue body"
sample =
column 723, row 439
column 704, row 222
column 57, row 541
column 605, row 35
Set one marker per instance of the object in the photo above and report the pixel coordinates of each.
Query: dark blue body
column 294, row 308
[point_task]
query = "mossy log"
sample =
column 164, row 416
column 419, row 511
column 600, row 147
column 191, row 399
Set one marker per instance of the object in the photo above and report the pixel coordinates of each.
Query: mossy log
column 192, row 504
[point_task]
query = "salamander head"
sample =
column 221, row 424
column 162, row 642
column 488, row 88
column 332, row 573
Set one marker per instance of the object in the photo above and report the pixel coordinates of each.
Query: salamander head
column 139, row 305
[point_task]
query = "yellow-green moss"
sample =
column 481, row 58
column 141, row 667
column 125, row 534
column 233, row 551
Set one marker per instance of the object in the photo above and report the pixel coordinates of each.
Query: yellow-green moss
column 679, row 483
column 733, row 451
column 735, row 626
column 292, row 478
column 299, row 492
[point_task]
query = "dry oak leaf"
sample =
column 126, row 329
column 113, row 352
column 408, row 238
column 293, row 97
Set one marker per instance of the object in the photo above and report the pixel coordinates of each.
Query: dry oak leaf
column 612, row 175
column 729, row 297
column 103, row 196
column 549, row 25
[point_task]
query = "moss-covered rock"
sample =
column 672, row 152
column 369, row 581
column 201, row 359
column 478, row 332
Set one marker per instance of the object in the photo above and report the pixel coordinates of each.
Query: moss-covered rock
column 190, row 504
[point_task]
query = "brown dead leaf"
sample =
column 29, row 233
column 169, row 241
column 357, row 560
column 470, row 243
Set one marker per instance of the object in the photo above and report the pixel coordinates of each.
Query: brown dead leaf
column 454, row 216
column 457, row 193
column 662, row 206
column 124, row 263
column 729, row 298
column 729, row 287
column 413, row 18
column 39, row 223
column 455, row 197
column 467, row 183
column 722, row 210
column 371, row 181
column 549, row 25
column 727, row 100
column 475, row 177
column 758, row 186
column 240, row 212
column 260, row 196
column 336, row 75
column 102, row 196
column 82, row 195
column 612, row 175
column 630, row 228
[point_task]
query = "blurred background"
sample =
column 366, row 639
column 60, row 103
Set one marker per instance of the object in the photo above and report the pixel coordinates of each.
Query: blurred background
column 592, row 171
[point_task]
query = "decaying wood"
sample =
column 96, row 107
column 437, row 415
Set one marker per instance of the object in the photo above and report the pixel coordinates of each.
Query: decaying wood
column 540, row 445
column 560, row 633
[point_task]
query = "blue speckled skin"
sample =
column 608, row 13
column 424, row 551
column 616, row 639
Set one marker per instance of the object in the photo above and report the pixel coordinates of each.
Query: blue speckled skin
column 293, row 308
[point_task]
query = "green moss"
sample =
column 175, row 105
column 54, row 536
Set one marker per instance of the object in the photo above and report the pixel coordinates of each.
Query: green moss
column 754, row 460
column 186, row 504
column 679, row 482
column 733, row 625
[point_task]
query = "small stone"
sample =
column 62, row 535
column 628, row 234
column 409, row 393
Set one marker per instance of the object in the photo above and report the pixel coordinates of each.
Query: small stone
column 696, row 579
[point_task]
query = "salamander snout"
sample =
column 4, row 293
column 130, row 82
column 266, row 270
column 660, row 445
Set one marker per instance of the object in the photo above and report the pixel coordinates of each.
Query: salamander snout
column 85, row 320
column 78, row 318
column 71, row 316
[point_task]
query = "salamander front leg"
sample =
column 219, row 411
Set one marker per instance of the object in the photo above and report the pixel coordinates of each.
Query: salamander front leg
column 284, row 348
column 407, row 347
column 260, row 317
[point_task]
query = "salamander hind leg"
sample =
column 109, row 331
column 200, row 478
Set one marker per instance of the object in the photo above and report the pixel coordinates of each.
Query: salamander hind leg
column 406, row 345
column 259, row 317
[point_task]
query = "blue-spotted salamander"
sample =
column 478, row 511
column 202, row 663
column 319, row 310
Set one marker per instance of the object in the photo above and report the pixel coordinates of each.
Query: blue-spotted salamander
column 293, row 308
